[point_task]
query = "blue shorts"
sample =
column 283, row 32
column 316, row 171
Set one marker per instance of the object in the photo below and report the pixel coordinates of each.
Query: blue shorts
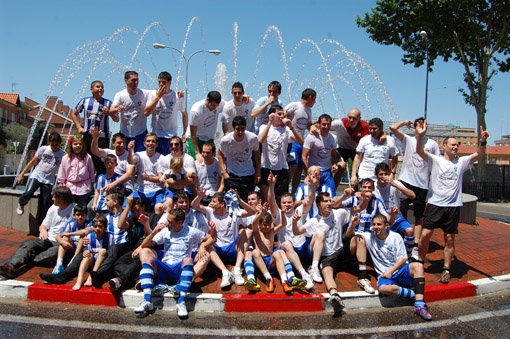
column 139, row 147
column 328, row 181
column 400, row 225
column 401, row 278
column 267, row 261
column 163, row 146
column 152, row 198
column 294, row 154
column 166, row 273
column 304, row 253
column 228, row 253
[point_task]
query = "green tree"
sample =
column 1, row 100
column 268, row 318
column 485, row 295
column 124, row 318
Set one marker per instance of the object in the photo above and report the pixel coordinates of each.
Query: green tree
column 472, row 32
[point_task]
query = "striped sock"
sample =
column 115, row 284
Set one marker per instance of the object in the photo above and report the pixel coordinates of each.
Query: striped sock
column 249, row 268
column 409, row 243
column 185, row 281
column 419, row 303
column 405, row 292
column 289, row 271
column 146, row 280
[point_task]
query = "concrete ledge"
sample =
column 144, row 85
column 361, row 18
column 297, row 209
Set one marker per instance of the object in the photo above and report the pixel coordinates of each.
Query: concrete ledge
column 14, row 288
column 491, row 285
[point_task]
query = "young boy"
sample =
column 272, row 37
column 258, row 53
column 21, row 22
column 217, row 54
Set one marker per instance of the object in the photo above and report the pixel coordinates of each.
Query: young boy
column 267, row 258
column 175, row 179
column 396, row 276
column 110, row 162
column 70, row 237
column 95, row 251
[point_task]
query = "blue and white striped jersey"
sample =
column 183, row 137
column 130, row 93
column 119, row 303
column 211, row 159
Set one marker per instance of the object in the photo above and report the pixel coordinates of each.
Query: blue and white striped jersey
column 96, row 244
column 119, row 236
column 101, row 182
column 374, row 207
column 72, row 226
column 93, row 114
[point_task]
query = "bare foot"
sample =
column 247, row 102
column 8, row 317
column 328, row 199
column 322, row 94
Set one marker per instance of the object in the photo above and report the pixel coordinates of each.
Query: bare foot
column 88, row 283
column 77, row 286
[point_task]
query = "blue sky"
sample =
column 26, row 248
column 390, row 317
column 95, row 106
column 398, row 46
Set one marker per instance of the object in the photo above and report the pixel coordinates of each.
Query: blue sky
column 58, row 47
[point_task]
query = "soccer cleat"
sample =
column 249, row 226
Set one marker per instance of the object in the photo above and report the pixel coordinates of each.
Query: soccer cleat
column 336, row 302
column 115, row 284
column 226, row 280
column 316, row 274
column 159, row 290
column 182, row 311
column 57, row 269
column 422, row 312
column 297, row 283
column 365, row 285
column 252, row 286
column 286, row 288
column 173, row 291
column 19, row 209
column 415, row 254
column 145, row 307
column 238, row 277
column 270, row 286
column 309, row 281
column 445, row 277
column 7, row 271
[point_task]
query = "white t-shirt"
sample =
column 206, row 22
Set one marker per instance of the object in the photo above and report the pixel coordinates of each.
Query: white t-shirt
column 178, row 245
column 300, row 116
column 209, row 176
column 238, row 154
column 274, row 148
column 122, row 166
column 226, row 228
column 390, row 196
column 445, row 187
column 332, row 226
column 132, row 120
column 205, row 120
column 385, row 253
column 287, row 233
column 165, row 116
column 193, row 219
column 230, row 111
column 188, row 163
column 151, row 166
column 56, row 220
column 47, row 167
column 344, row 138
column 374, row 154
column 263, row 118
column 320, row 150
column 415, row 170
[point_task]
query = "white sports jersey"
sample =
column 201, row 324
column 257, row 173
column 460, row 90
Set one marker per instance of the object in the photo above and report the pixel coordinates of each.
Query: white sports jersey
column 150, row 166
column 263, row 118
column 374, row 154
column 132, row 119
column 205, row 120
column 390, row 196
column 274, row 148
column 415, row 171
column 385, row 253
column 332, row 226
column 230, row 111
column 209, row 176
column 238, row 154
column 93, row 115
column 188, row 163
column 122, row 166
column 226, row 227
column 178, row 245
column 320, row 150
column 287, row 233
column 165, row 116
column 300, row 116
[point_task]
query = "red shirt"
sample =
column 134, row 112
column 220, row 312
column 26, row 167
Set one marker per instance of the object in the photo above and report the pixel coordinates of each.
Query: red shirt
column 357, row 133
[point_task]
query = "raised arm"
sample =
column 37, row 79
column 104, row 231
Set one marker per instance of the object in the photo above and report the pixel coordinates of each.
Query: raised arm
column 195, row 204
column 271, row 196
column 297, row 230
column 420, row 130
column 395, row 128
column 94, row 147
column 481, row 146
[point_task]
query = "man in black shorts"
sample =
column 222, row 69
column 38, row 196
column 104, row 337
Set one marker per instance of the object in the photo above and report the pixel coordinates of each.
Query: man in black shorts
column 445, row 186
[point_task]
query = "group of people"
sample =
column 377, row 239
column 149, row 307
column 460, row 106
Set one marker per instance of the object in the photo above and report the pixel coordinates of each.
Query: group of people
column 243, row 206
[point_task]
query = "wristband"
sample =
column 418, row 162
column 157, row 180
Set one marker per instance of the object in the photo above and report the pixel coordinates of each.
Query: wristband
column 483, row 143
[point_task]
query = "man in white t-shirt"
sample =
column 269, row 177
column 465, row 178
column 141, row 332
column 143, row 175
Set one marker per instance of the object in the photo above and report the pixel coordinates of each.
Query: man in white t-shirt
column 130, row 102
column 239, row 157
column 300, row 113
column 445, row 192
column 414, row 174
column 372, row 151
column 240, row 105
column 320, row 150
column 43, row 250
column 209, row 171
column 259, row 113
column 163, row 104
column 203, row 122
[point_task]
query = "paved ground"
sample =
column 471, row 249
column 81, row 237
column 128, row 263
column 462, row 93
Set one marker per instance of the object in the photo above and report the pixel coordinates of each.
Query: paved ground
column 482, row 252
column 494, row 211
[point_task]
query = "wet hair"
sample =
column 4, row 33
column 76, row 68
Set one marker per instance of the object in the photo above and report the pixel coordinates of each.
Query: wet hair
column 325, row 116
column 308, row 93
column 416, row 121
column 274, row 108
column 138, row 202
column 220, row 196
column 210, row 144
column 380, row 216
column 377, row 122
column 382, row 167
column 214, row 96
column 54, row 137
column 116, row 195
column 63, row 193
column 83, row 152
column 366, row 180
column 176, row 163
column 445, row 140
column 180, row 194
column 165, row 76
column 321, row 197
column 178, row 139
column 119, row 135
column 265, row 218
column 285, row 195
column 259, row 196
column 237, row 84
column 128, row 74
column 95, row 82
column 238, row 121
column 110, row 157
column 178, row 214
column 80, row 208
column 275, row 84
column 150, row 134
column 100, row 218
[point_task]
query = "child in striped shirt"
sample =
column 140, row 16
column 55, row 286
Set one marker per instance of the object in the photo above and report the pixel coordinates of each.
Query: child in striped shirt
column 110, row 162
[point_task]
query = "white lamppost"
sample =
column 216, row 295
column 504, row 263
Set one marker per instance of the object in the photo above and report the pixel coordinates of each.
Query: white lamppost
column 212, row 51
column 423, row 34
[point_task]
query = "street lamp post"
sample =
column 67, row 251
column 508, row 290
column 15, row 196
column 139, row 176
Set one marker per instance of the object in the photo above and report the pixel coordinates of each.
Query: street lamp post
column 212, row 51
column 423, row 34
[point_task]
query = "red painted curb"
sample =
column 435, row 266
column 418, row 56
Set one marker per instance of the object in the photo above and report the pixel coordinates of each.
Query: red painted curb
column 449, row 291
column 65, row 294
column 273, row 303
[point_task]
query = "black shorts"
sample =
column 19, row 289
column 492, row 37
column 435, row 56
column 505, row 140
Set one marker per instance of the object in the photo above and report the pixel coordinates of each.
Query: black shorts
column 282, row 180
column 445, row 218
column 346, row 154
column 337, row 260
column 419, row 202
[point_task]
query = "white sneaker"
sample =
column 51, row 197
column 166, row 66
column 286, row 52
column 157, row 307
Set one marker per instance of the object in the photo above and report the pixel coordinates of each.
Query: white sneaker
column 316, row 274
column 226, row 280
column 145, row 307
column 415, row 254
column 309, row 281
column 19, row 209
column 365, row 285
column 238, row 277
column 182, row 311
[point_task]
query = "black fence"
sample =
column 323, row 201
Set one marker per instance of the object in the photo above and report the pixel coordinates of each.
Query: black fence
column 495, row 187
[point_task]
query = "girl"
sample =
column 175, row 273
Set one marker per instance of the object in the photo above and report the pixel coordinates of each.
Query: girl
column 76, row 171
